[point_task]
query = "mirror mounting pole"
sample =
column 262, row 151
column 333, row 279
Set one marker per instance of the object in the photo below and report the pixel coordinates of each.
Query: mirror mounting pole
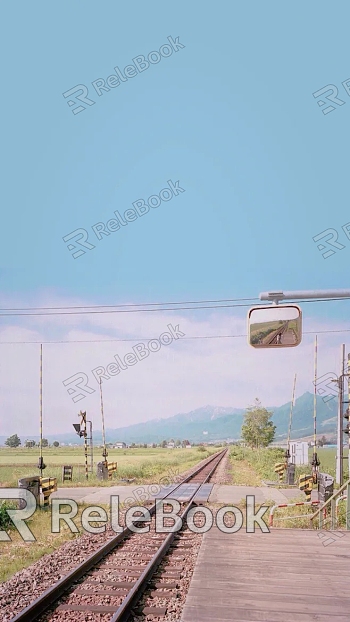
column 305, row 295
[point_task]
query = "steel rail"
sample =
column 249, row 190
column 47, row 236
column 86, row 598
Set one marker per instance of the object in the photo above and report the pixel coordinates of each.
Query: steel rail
column 278, row 330
column 40, row 605
column 125, row 610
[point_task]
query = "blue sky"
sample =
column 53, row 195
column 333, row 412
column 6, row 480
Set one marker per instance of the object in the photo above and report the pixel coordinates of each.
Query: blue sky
column 231, row 116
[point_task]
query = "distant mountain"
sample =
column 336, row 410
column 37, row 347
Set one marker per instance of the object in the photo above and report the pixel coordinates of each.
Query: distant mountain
column 213, row 423
column 303, row 411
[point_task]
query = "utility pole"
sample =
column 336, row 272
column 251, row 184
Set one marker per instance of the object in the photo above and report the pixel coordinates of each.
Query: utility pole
column 340, row 451
column 347, row 417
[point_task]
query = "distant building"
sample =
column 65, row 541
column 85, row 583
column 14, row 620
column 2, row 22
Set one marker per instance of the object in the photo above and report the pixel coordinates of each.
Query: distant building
column 120, row 446
column 188, row 446
column 299, row 453
column 170, row 445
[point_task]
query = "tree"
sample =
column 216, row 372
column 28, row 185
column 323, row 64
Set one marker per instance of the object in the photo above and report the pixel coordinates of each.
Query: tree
column 13, row 441
column 257, row 429
column 56, row 444
column 145, row 445
column 154, row 445
column 178, row 443
column 185, row 443
column 43, row 443
column 163, row 444
column 30, row 443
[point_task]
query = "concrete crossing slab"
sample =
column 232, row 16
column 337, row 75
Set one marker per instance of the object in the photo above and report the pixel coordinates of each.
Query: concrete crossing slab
column 217, row 493
column 235, row 494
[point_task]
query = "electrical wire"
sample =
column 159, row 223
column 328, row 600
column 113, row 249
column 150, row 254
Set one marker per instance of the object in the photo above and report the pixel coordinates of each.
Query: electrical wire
column 144, row 304
column 114, row 310
column 202, row 337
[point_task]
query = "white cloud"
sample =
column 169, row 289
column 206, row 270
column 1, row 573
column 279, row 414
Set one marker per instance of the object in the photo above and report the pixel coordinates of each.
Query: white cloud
column 182, row 376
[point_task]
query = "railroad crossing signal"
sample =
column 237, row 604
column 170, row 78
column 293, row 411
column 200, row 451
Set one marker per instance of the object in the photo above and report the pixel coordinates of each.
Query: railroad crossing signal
column 80, row 429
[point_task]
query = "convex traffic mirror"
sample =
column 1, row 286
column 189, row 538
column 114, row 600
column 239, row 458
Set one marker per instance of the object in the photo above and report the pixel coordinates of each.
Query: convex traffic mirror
column 274, row 326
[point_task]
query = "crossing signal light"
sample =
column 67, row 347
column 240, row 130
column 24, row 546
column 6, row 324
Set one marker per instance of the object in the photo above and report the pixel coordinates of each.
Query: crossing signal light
column 76, row 427
column 346, row 416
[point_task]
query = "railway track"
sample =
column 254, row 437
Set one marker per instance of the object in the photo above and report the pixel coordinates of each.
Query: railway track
column 272, row 339
column 110, row 583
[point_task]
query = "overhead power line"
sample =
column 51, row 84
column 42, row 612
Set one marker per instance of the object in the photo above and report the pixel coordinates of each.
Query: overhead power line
column 108, row 309
column 202, row 337
column 143, row 304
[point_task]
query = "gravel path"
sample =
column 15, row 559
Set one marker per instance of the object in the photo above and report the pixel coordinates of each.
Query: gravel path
column 223, row 473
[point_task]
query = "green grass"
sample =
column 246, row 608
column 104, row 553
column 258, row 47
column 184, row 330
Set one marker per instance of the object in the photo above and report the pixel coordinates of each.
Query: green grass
column 327, row 459
column 251, row 466
column 258, row 332
column 141, row 464
column 256, row 465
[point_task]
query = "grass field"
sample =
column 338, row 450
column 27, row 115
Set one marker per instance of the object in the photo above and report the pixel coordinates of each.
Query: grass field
column 143, row 465
column 250, row 466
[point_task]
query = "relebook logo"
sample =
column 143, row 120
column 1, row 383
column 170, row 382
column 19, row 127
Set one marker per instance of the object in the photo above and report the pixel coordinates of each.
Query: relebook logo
column 135, row 516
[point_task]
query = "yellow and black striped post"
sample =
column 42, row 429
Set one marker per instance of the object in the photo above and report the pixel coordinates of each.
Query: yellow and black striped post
column 306, row 484
column 48, row 486
column 112, row 468
column 280, row 468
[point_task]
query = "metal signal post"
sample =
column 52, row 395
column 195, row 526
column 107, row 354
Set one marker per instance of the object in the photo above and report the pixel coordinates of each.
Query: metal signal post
column 81, row 430
column 105, row 452
column 41, row 464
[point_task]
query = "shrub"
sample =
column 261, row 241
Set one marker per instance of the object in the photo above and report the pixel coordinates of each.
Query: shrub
column 5, row 520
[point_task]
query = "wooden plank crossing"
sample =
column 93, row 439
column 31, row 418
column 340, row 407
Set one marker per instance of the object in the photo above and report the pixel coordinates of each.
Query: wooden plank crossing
column 286, row 574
